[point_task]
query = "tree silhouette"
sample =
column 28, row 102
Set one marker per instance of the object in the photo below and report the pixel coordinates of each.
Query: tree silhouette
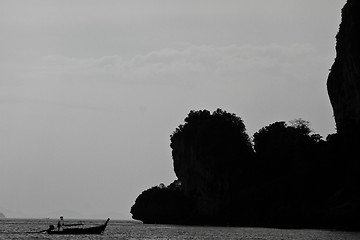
column 280, row 145
column 161, row 204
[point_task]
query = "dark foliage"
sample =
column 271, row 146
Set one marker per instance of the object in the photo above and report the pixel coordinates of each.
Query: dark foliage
column 279, row 146
column 161, row 204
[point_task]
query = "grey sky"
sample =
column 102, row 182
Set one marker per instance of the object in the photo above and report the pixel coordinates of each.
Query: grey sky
column 90, row 91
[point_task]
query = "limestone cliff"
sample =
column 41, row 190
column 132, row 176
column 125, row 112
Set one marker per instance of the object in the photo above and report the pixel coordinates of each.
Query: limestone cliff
column 344, row 79
column 344, row 91
column 210, row 154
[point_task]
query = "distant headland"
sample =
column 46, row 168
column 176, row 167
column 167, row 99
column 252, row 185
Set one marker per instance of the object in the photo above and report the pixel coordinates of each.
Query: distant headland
column 285, row 175
column 2, row 215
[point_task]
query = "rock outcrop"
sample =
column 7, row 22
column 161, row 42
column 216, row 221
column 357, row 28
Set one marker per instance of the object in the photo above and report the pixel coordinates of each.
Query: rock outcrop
column 344, row 91
column 222, row 181
column 211, row 153
column 344, row 79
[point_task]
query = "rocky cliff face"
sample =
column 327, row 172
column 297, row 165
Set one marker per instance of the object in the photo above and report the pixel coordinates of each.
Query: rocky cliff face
column 344, row 79
column 344, row 92
column 210, row 154
column 202, row 183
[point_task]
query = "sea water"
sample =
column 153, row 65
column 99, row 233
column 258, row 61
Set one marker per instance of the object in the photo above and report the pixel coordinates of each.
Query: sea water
column 29, row 228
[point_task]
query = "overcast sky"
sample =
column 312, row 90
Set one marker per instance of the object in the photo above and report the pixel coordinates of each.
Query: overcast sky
column 90, row 91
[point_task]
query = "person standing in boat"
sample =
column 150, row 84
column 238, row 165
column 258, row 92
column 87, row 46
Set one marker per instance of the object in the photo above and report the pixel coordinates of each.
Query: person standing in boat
column 60, row 224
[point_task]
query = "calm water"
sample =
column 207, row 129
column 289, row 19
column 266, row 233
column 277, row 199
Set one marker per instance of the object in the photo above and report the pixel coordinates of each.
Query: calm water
column 25, row 228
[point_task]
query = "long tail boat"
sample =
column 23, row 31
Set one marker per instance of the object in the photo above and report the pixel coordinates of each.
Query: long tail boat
column 91, row 230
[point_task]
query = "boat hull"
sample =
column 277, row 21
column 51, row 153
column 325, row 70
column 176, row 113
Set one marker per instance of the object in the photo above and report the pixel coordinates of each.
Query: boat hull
column 75, row 231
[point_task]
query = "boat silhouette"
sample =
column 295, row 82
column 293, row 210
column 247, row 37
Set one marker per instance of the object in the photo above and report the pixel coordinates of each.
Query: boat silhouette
column 77, row 230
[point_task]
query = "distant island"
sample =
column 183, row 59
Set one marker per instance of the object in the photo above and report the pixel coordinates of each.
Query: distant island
column 2, row 215
column 284, row 176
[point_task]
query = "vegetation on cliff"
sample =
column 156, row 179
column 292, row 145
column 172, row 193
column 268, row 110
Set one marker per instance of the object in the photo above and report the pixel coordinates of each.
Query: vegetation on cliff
column 162, row 204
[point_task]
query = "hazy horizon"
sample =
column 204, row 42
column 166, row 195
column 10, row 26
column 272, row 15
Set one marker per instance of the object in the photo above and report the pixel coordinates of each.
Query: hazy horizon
column 90, row 91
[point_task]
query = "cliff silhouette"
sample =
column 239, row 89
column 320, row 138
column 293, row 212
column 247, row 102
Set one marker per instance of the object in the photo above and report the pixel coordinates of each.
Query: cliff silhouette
column 286, row 176
column 344, row 79
column 344, row 92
